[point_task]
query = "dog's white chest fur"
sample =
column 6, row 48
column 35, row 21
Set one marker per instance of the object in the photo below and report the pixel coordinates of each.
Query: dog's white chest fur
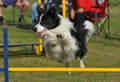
column 59, row 46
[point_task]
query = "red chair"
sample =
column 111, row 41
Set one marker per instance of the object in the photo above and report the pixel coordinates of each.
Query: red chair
column 100, row 17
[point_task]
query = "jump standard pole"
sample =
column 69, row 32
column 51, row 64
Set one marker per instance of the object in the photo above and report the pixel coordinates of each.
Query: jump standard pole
column 5, row 38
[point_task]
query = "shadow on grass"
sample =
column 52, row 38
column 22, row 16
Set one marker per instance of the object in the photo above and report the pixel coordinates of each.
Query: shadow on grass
column 115, row 45
column 114, row 38
column 108, row 43
column 20, row 53
column 25, row 26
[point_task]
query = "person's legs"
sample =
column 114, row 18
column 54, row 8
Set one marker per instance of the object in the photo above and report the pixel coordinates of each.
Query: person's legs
column 1, row 4
column 25, row 6
column 24, row 9
column 34, row 13
column 1, row 14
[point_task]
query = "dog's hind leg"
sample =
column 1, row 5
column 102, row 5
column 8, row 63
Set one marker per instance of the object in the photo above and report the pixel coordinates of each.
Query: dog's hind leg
column 81, row 64
column 67, row 64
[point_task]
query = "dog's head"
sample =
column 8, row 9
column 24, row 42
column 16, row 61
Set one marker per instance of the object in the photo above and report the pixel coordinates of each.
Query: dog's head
column 48, row 21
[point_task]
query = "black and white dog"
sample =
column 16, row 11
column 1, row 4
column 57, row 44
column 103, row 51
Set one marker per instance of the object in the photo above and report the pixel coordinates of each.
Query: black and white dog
column 60, row 39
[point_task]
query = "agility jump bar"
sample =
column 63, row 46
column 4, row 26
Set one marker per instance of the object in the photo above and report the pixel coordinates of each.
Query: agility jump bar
column 64, row 69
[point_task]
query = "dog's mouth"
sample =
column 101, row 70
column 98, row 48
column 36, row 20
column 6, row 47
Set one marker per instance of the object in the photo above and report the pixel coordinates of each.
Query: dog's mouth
column 42, row 33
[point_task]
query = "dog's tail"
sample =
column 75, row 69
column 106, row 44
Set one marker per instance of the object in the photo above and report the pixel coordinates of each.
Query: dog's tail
column 90, row 27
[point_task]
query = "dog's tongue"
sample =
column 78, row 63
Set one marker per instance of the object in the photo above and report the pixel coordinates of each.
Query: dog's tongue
column 42, row 33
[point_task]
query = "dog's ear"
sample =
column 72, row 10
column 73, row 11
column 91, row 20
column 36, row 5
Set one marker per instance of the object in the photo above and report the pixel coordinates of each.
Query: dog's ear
column 52, row 10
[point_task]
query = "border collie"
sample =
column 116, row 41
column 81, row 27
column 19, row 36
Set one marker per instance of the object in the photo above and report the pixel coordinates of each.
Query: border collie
column 61, row 39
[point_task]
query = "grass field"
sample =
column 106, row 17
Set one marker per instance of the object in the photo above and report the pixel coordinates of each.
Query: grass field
column 104, row 53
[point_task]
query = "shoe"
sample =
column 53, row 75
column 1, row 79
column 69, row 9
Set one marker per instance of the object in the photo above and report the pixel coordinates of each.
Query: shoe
column 21, row 19
column 2, row 21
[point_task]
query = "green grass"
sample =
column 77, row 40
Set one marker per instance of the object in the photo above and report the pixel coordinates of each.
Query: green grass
column 104, row 53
